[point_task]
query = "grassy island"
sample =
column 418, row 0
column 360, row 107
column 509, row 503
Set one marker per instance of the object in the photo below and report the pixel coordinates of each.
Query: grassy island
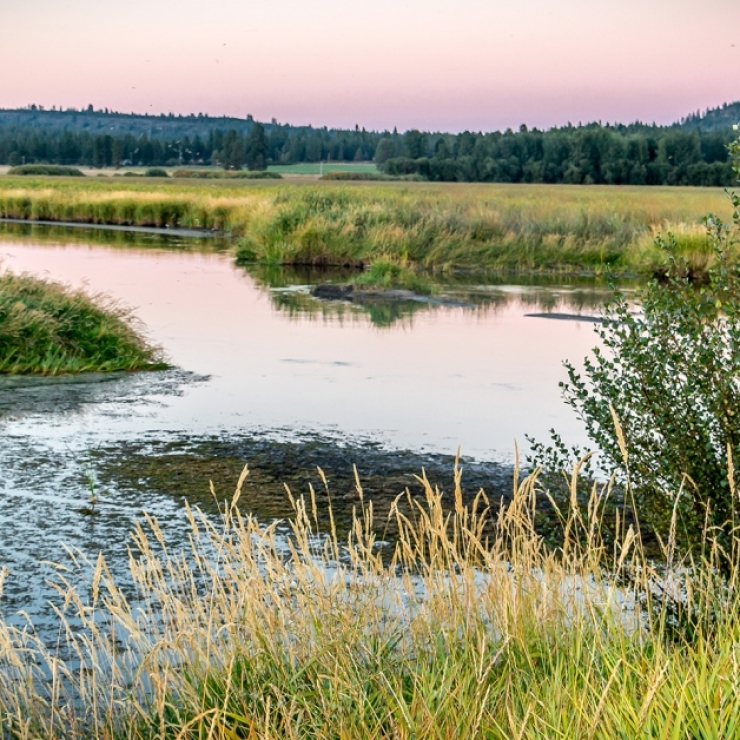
column 47, row 328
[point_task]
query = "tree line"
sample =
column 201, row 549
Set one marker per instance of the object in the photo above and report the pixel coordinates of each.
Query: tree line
column 592, row 154
column 637, row 154
column 229, row 149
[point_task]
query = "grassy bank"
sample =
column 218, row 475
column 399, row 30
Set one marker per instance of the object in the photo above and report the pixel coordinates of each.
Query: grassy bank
column 506, row 227
column 49, row 329
column 249, row 634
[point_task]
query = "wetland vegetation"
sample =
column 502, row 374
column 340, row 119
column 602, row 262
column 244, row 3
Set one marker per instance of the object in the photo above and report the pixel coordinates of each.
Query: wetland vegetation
column 265, row 632
column 49, row 329
column 459, row 618
column 417, row 225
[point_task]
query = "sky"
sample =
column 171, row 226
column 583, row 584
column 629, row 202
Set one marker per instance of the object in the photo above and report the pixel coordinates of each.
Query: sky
column 437, row 65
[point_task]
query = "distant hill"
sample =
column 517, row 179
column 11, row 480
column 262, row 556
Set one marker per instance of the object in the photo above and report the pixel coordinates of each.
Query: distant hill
column 170, row 126
column 713, row 119
column 96, row 122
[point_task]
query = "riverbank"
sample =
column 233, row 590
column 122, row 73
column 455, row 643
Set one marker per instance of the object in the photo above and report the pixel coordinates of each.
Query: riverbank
column 420, row 225
column 48, row 329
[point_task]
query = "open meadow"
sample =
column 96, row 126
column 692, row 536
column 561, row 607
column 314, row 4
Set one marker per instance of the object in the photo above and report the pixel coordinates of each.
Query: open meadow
column 472, row 226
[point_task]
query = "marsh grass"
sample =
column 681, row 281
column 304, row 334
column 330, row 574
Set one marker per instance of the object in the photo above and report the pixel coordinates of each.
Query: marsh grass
column 448, row 633
column 503, row 227
column 47, row 328
column 385, row 274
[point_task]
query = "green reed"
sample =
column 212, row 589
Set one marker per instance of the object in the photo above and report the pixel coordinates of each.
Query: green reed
column 422, row 225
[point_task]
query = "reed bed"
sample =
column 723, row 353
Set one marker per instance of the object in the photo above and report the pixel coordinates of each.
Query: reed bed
column 508, row 227
column 47, row 328
column 448, row 633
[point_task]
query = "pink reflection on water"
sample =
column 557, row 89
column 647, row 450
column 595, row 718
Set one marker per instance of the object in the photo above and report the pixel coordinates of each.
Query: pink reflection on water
column 444, row 378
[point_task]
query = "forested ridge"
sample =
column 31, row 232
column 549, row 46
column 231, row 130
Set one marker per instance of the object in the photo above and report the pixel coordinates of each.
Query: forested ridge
column 690, row 152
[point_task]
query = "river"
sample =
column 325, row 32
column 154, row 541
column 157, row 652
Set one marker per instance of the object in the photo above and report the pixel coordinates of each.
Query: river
column 265, row 374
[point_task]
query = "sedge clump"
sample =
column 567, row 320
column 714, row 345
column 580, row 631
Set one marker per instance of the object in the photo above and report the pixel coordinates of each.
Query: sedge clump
column 50, row 329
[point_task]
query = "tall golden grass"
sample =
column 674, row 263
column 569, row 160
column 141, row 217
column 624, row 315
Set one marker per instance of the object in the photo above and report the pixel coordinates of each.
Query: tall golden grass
column 467, row 627
column 525, row 227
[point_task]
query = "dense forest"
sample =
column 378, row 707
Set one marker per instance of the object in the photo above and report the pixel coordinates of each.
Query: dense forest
column 593, row 154
column 691, row 152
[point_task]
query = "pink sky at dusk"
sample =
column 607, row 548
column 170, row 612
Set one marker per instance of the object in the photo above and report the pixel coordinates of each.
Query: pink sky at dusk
column 431, row 64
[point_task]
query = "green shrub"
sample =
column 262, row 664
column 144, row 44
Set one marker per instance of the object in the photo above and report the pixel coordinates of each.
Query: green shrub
column 340, row 175
column 156, row 172
column 227, row 175
column 661, row 400
column 46, row 169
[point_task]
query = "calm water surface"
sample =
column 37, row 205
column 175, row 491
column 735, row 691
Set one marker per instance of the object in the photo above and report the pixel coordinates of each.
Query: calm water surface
column 435, row 379
column 254, row 354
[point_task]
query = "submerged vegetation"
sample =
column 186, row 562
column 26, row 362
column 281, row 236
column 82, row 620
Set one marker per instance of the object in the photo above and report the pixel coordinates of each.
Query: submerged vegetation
column 417, row 225
column 49, row 329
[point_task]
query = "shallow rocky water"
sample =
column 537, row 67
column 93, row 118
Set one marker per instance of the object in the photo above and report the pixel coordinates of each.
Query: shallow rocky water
column 265, row 374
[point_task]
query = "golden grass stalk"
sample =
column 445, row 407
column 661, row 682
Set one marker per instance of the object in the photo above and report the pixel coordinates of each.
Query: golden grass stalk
column 467, row 627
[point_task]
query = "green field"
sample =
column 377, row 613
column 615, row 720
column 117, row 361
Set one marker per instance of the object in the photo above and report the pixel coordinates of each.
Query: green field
column 315, row 168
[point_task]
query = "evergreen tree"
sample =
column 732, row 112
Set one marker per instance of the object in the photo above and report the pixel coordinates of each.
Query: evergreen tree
column 257, row 148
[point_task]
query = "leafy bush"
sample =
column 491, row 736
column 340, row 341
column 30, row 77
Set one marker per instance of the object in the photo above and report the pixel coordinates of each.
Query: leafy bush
column 340, row 175
column 46, row 169
column 156, row 172
column 661, row 400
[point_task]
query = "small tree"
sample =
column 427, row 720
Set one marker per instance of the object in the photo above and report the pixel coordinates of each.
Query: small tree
column 257, row 148
column 232, row 152
column 670, row 374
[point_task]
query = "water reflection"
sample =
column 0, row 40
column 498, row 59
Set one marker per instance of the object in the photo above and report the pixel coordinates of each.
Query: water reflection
column 124, row 237
column 475, row 293
column 468, row 367
column 266, row 375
